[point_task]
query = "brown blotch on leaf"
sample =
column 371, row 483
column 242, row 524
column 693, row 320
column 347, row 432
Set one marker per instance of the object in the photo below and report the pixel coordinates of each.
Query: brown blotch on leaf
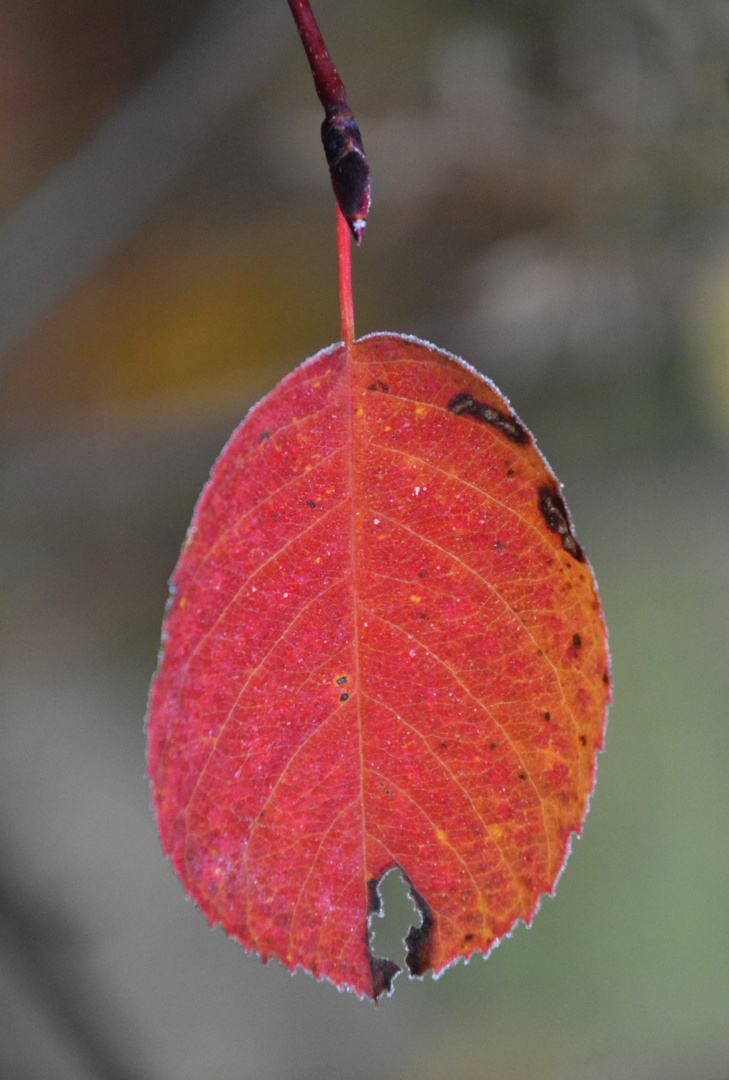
column 264, row 436
column 583, row 740
column 461, row 403
column 507, row 423
column 606, row 678
column 554, row 512
column 379, row 385
column 576, row 640
column 383, row 972
column 547, row 716
column 419, row 940
column 344, row 696
column 311, row 503
column 342, row 680
column 374, row 904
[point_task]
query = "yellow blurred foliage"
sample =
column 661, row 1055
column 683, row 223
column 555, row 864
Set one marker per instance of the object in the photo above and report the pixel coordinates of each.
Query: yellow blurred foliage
column 180, row 309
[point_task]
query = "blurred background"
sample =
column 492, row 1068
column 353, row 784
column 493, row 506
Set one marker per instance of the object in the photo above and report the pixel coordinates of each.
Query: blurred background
column 550, row 201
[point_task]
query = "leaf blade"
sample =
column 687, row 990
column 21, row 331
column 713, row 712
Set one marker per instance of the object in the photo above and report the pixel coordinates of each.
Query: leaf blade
column 407, row 684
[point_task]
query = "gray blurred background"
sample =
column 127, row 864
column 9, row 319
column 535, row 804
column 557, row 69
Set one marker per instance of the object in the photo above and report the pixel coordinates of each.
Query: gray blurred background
column 551, row 201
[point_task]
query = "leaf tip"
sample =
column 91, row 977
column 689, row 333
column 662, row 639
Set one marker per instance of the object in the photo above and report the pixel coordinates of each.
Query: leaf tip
column 383, row 974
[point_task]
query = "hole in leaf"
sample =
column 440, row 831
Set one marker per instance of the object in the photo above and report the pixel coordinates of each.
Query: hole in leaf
column 397, row 914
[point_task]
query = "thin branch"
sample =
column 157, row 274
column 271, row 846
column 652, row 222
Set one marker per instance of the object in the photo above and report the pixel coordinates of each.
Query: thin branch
column 343, row 147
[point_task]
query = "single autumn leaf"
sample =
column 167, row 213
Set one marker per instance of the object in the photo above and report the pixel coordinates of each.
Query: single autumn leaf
column 384, row 648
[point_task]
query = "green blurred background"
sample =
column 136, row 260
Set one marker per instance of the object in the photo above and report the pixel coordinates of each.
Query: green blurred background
column 551, row 201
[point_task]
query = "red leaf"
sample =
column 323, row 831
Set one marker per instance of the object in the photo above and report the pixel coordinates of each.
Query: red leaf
column 384, row 649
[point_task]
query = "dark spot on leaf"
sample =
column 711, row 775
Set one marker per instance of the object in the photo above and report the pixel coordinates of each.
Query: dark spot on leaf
column 547, row 716
column 342, row 680
column 374, row 906
column 554, row 512
column 419, row 940
column 576, row 640
column 507, row 423
column 583, row 740
column 605, row 678
column 493, row 745
column 379, row 385
column 383, row 972
column 443, row 745
column 344, row 696
column 311, row 503
column 461, row 403
column 509, row 472
column 422, row 615
column 264, row 436
column 498, row 545
column 467, row 938
column 522, row 776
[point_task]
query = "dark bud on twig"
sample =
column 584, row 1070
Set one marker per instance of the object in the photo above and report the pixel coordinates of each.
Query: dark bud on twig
column 348, row 168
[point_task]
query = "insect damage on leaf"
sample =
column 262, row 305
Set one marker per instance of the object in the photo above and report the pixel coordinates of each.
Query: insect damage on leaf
column 419, row 939
column 503, row 421
column 383, row 971
column 555, row 513
column 377, row 654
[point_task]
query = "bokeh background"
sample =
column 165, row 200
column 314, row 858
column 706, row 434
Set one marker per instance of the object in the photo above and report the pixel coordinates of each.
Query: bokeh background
column 551, row 201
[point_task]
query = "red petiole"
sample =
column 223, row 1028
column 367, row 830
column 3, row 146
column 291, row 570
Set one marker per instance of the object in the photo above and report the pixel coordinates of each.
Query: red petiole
column 344, row 255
